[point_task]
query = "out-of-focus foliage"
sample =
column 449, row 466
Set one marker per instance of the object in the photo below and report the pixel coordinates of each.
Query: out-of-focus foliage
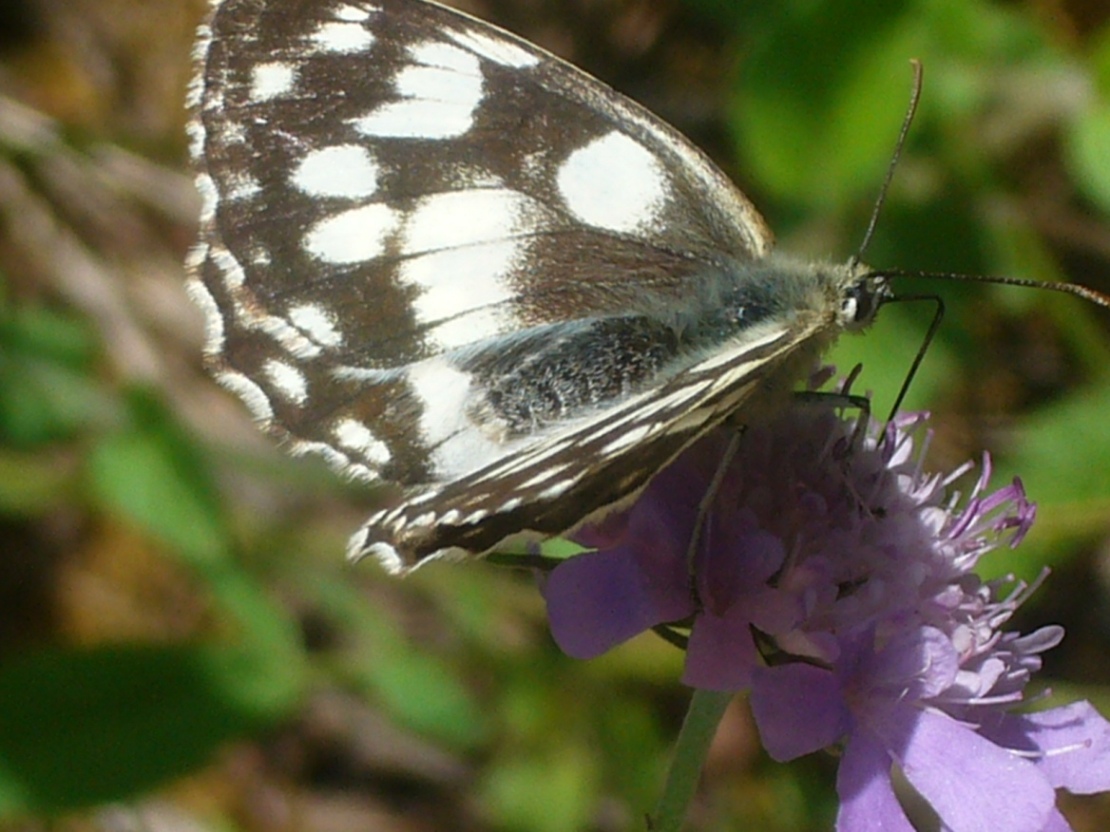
column 181, row 641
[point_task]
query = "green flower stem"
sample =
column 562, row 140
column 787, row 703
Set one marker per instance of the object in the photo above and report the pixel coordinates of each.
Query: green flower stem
column 698, row 729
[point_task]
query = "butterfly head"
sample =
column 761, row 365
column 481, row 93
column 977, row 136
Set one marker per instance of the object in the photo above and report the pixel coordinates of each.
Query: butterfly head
column 819, row 296
column 864, row 291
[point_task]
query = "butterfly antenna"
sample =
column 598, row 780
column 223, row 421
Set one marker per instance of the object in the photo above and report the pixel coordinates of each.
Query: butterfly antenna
column 1096, row 297
column 1099, row 298
column 907, row 121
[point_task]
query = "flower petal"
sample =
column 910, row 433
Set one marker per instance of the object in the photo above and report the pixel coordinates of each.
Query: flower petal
column 1056, row 823
column 867, row 799
column 740, row 562
column 598, row 600
column 720, row 654
column 798, row 709
column 1074, row 741
column 973, row 785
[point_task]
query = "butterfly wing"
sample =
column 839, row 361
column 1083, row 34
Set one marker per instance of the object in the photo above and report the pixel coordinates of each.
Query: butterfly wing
column 388, row 185
column 435, row 253
column 555, row 485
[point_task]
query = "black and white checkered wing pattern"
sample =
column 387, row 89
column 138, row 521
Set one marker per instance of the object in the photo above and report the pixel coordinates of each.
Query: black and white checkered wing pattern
column 557, row 484
column 429, row 249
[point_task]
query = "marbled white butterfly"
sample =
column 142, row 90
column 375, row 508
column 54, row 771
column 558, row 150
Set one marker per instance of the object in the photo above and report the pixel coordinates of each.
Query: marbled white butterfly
column 436, row 254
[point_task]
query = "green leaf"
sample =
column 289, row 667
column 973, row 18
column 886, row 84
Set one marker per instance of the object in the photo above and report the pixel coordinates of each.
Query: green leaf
column 1067, row 448
column 420, row 689
column 153, row 476
column 30, row 483
column 1088, row 151
column 81, row 727
column 47, row 390
column 552, row 793
column 268, row 672
column 1062, row 455
column 1100, row 60
column 815, row 114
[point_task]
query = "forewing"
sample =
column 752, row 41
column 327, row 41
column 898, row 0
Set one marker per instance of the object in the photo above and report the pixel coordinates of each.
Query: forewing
column 387, row 183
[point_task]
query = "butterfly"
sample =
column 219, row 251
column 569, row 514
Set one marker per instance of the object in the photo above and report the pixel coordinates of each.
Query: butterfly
column 437, row 255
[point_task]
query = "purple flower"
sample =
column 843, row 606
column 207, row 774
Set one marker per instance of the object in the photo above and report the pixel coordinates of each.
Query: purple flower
column 834, row 577
column 885, row 706
column 640, row 578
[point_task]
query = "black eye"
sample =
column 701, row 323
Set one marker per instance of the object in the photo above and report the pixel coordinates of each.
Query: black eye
column 858, row 304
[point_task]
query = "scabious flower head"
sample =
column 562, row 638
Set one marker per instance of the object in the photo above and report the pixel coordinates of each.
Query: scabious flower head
column 833, row 577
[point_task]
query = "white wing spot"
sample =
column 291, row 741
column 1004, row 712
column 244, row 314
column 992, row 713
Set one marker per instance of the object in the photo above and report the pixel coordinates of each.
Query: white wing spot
column 466, row 261
column 556, row 489
column 196, row 255
column 629, row 438
column 443, row 391
column 213, row 319
column 466, row 218
column 229, row 268
column 355, row 14
column 241, row 187
column 232, row 133
column 510, row 505
column 288, row 380
column 462, row 290
column 438, row 96
column 614, row 182
column 457, row 445
column 272, row 80
column 336, row 459
column 342, row 37
column 347, row 171
column 466, row 329
column 415, row 119
column 419, row 499
column 503, row 52
column 352, row 236
column 382, row 552
column 209, row 197
column 543, row 475
column 317, row 323
column 445, row 56
column 356, row 436
column 255, row 398
column 194, row 92
column 359, row 472
column 291, row 339
column 196, row 135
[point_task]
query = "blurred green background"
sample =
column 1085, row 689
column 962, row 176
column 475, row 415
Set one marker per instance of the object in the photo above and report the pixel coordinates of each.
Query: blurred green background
column 181, row 643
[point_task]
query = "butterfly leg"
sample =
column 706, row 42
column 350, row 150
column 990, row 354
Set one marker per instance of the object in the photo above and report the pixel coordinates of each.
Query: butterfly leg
column 843, row 398
column 706, row 504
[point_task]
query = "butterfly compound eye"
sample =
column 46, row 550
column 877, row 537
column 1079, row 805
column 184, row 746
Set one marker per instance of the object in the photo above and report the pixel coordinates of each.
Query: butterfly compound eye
column 861, row 300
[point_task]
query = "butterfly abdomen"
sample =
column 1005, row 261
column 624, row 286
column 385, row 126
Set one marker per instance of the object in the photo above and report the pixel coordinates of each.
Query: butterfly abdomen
column 578, row 367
